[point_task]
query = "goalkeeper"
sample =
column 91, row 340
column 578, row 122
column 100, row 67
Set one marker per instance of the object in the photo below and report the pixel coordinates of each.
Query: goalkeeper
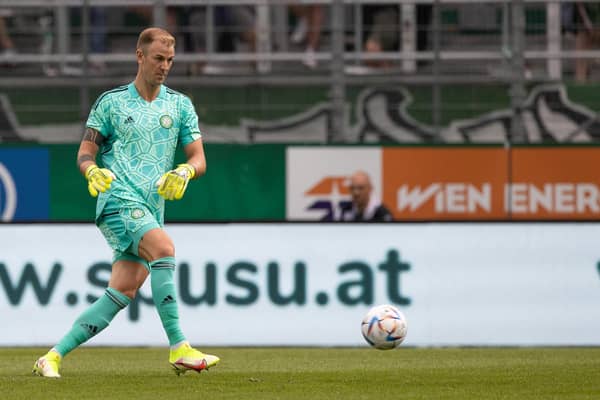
column 136, row 128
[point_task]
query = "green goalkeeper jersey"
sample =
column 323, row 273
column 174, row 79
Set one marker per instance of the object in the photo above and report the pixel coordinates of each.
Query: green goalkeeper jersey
column 140, row 139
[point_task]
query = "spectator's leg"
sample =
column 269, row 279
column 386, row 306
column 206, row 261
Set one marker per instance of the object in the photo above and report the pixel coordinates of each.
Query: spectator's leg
column 315, row 23
column 301, row 27
column 582, row 42
column 5, row 40
column 98, row 31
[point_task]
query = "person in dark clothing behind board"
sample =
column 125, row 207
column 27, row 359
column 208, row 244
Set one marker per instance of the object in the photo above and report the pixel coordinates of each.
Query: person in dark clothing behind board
column 365, row 206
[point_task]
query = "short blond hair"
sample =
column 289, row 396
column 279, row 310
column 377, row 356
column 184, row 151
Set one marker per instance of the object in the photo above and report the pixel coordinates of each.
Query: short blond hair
column 149, row 35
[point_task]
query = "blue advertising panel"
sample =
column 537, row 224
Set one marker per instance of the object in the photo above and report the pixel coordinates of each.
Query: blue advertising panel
column 24, row 184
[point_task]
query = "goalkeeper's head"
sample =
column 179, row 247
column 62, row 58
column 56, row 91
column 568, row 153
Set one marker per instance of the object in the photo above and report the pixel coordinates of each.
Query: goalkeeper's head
column 155, row 52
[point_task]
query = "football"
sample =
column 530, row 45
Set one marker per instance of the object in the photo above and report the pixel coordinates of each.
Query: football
column 384, row 327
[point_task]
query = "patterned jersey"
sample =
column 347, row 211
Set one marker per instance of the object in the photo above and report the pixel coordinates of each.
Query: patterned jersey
column 140, row 139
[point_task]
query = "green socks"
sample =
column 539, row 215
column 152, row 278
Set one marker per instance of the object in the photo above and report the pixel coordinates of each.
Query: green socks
column 97, row 317
column 165, row 299
column 93, row 320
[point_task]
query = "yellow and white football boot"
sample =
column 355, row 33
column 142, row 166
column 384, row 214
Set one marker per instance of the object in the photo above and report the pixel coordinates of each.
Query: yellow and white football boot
column 48, row 365
column 186, row 358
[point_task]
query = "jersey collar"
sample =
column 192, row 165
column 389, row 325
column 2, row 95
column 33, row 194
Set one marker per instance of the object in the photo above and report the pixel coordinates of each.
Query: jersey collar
column 134, row 93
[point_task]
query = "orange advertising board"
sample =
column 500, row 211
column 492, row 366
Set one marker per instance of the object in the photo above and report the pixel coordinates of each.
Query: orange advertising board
column 444, row 183
column 492, row 183
column 555, row 183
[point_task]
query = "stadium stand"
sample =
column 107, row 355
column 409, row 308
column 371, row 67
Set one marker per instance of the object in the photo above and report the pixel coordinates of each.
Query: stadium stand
column 509, row 44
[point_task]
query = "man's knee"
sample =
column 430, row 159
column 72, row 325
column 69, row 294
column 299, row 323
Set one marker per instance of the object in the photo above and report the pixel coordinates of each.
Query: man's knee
column 162, row 250
column 156, row 244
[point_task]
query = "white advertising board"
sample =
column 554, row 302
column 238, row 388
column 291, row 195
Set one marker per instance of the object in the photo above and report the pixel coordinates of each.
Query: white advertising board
column 317, row 179
column 310, row 284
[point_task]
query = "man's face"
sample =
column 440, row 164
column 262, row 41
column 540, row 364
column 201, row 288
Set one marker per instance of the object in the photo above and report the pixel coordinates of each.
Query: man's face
column 360, row 188
column 155, row 62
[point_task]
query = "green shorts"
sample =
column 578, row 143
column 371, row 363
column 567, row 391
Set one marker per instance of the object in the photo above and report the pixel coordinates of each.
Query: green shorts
column 123, row 226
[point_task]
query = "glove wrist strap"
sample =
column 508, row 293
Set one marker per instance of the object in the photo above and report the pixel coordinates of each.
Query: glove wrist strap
column 89, row 169
column 190, row 169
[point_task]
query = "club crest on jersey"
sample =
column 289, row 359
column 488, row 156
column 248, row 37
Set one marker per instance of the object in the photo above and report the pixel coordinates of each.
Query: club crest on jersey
column 166, row 121
column 137, row 213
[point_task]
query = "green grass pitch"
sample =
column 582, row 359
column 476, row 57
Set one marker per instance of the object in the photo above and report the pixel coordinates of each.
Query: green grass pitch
column 312, row 373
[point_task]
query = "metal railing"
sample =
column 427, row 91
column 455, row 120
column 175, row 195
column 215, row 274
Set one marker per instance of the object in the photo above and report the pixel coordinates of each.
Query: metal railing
column 271, row 25
column 503, row 62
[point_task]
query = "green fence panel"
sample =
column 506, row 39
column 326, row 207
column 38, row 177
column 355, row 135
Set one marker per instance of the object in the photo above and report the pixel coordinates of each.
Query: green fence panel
column 242, row 183
column 69, row 198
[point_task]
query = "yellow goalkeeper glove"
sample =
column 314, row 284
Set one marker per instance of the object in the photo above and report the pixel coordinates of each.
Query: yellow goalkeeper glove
column 99, row 179
column 173, row 183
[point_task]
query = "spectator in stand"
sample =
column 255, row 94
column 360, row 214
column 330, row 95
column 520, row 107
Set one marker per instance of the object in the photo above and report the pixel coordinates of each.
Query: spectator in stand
column 381, row 31
column 235, row 22
column 8, row 47
column 98, row 36
column 365, row 206
column 234, row 27
column 309, row 21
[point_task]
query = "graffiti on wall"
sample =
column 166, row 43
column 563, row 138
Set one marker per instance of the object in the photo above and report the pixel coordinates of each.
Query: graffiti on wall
column 380, row 115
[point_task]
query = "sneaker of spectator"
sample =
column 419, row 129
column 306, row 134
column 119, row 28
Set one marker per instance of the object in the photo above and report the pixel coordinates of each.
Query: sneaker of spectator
column 9, row 53
column 212, row 69
column 8, row 57
column 309, row 58
column 312, row 15
column 8, row 48
column 98, row 67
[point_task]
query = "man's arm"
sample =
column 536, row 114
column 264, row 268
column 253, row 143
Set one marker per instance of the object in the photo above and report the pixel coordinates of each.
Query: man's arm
column 195, row 157
column 99, row 179
column 90, row 144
